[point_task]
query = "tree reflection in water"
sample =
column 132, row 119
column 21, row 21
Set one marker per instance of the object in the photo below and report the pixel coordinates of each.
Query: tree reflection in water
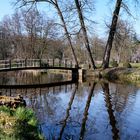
column 110, row 111
column 86, row 112
column 67, row 112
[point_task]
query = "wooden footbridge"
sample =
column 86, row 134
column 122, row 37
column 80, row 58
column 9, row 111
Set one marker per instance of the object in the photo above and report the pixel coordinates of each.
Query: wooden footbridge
column 38, row 64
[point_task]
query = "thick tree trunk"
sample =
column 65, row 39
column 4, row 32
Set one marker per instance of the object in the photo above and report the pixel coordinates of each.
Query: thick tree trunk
column 66, row 31
column 86, row 41
column 108, row 47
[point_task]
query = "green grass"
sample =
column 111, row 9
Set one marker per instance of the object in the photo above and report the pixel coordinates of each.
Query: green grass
column 135, row 65
column 125, row 75
column 18, row 124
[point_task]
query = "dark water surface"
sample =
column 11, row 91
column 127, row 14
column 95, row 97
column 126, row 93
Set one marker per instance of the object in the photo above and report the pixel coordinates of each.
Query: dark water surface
column 89, row 110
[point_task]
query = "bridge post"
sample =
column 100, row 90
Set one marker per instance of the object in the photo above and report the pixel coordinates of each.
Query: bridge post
column 5, row 64
column 59, row 63
column 71, row 64
column 66, row 63
column 53, row 63
column 75, row 74
column 10, row 64
column 48, row 61
column 25, row 62
column 17, row 63
column 40, row 62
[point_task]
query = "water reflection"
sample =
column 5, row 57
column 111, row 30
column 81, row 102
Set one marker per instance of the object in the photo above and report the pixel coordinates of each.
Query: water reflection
column 67, row 113
column 29, row 77
column 83, row 125
column 110, row 110
column 86, row 111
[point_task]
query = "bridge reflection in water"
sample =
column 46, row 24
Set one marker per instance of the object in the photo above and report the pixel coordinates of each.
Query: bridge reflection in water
column 90, row 110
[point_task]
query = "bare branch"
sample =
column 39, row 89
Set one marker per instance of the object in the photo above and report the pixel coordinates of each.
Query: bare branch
column 126, row 8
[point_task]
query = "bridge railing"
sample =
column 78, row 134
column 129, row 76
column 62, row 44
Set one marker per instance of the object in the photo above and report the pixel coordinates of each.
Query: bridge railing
column 22, row 63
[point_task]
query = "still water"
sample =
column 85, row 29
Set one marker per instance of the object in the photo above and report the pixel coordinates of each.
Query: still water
column 84, row 110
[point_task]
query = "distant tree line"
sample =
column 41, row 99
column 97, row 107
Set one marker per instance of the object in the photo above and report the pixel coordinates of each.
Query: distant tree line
column 29, row 33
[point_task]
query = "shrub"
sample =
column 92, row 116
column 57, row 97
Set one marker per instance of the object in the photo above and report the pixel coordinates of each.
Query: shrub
column 127, row 65
column 21, row 124
column 114, row 63
column 24, row 114
column 6, row 110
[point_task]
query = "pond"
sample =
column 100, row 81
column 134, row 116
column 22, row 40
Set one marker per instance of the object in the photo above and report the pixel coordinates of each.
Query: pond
column 84, row 110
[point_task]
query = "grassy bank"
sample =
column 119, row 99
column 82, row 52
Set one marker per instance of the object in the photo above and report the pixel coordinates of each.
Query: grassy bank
column 129, row 75
column 18, row 124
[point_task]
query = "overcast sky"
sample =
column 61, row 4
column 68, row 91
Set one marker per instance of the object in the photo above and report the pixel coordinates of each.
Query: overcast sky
column 102, row 14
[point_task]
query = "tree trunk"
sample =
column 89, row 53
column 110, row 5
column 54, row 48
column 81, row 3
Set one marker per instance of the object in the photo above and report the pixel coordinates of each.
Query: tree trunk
column 86, row 41
column 66, row 31
column 108, row 47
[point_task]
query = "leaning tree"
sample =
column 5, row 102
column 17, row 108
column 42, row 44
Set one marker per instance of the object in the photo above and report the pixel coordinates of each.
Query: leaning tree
column 83, row 28
column 109, row 44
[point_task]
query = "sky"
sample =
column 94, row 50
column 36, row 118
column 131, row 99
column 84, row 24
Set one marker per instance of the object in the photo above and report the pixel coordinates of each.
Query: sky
column 102, row 14
column 6, row 8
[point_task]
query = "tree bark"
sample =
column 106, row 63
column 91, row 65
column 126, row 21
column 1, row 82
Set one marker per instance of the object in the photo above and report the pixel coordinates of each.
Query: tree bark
column 83, row 27
column 108, row 47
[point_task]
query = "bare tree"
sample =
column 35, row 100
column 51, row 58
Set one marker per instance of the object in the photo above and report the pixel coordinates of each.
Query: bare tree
column 83, row 27
column 122, row 44
column 112, row 31
column 4, row 46
column 55, row 4
column 33, row 24
column 31, row 35
column 119, row 4
column 4, row 37
column 97, row 48
column 136, row 50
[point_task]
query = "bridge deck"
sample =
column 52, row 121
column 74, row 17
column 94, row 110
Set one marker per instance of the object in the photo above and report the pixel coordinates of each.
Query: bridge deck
column 26, row 64
column 34, row 64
